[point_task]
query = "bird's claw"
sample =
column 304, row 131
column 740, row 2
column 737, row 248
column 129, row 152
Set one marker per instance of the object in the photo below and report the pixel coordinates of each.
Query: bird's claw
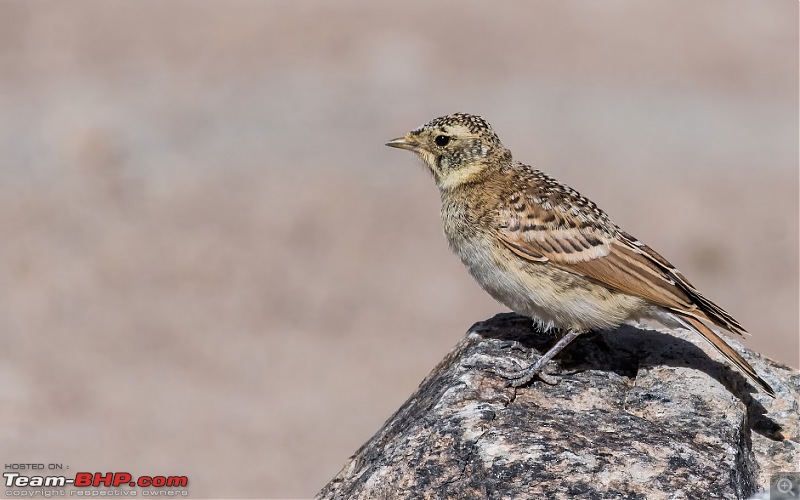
column 522, row 376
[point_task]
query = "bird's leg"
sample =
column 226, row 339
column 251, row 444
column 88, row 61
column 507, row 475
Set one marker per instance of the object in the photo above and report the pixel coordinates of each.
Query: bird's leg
column 517, row 378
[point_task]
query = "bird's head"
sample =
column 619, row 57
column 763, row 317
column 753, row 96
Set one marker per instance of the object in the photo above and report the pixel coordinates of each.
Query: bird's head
column 456, row 148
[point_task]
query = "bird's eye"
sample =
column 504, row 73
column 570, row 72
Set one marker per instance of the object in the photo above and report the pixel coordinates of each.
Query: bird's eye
column 442, row 140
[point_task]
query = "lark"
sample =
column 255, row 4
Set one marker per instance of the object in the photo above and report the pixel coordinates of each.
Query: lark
column 544, row 251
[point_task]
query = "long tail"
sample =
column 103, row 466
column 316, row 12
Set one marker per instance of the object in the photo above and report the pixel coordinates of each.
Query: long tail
column 728, row 352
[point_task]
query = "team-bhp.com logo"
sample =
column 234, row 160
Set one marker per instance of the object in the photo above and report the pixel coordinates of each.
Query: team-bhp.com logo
column 94, row 479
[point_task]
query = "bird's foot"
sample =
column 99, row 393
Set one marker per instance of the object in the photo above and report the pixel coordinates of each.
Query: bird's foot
column 522, row 376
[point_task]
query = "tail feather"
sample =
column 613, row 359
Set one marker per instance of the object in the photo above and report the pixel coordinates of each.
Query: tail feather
column 728, row 352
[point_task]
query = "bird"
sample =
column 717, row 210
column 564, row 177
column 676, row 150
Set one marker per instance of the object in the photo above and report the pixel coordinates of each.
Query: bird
column 546, row 252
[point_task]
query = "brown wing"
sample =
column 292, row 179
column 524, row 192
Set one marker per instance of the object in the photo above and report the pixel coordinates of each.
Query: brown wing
column 557, row 225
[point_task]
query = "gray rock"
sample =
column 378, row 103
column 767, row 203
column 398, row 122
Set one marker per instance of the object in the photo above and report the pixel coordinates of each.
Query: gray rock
column 637, row 413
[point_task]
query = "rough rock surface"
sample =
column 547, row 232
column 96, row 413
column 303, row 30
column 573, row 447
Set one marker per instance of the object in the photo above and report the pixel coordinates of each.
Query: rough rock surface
column 637, row 413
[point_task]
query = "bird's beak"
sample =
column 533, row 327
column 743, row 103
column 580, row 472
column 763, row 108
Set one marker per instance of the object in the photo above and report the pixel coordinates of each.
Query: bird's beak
column 404, row 143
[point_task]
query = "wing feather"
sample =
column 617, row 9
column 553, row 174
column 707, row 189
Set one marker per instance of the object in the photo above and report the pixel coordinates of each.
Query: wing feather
column 581, row 239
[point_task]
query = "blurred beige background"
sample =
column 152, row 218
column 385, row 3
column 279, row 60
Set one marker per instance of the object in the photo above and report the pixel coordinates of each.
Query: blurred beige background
column 212, row 266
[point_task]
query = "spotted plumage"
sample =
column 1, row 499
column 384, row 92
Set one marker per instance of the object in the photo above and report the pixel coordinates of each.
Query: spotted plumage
column 545, row 251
